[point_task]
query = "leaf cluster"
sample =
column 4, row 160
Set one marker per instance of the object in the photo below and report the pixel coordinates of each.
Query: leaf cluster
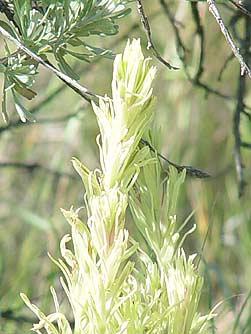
column 57, row 28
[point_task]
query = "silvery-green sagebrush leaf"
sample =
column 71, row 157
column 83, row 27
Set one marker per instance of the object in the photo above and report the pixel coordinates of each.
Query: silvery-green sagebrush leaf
column 57, row 28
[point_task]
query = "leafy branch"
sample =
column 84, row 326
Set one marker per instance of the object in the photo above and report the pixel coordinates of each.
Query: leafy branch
column 81, row 90
column 53, row 28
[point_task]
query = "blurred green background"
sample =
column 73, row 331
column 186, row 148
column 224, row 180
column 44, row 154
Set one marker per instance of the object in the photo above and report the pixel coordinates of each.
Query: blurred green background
column 196, row 130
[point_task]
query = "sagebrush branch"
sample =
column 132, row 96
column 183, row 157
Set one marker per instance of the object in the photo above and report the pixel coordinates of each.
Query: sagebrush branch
column 80, row 89
column 213, row 9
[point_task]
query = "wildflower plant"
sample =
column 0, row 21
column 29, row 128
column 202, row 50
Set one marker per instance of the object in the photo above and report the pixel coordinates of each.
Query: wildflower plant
column 112, row 284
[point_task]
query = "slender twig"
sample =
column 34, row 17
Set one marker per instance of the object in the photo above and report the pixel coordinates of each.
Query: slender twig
column 180, row 46
column 191, row 171
column 196, row 79
column 200, row 33
column 241, row 8
column 224, row 66
column 61, row 119
column 247, row 114
column 238, row 110
column 236, row 131
column 233, row 23
column 150, row 44
column 81, row 90
column 245, row 145
column 31, row 167
column 213, row 9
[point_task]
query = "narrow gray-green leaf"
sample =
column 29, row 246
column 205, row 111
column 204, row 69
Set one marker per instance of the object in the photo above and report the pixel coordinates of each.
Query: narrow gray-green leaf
column 22, row 112
column 4, row 107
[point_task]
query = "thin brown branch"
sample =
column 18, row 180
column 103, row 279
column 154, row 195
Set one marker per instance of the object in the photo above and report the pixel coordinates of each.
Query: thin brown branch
column 224, row 66
column 150, row 44
column 236, row 131
column 31, row 167
column 238, row 110
column 213, row 9
column 61, row 119
column 245, row 145
column 200, row 33
column 247, row 114
column 180, row 46
column 191, row 171
column 242, row 8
